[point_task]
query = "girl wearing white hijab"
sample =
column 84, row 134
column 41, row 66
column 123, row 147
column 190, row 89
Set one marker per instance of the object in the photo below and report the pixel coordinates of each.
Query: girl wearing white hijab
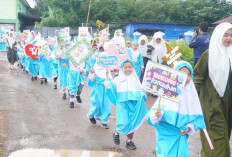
column 11, row 50
column 143, row 42
column 160, row 48
column 118, row 39
column 213, row 80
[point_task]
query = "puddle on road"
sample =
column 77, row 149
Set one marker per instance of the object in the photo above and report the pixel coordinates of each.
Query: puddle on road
column 62, row 153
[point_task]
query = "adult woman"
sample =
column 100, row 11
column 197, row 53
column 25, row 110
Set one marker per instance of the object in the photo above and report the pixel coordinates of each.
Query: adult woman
column 160, row 48
column 11, row 50
column 213, row 80
column 143, row 42
column 118, row 39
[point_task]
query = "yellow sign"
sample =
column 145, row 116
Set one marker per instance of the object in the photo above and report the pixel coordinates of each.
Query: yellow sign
column 100, row 23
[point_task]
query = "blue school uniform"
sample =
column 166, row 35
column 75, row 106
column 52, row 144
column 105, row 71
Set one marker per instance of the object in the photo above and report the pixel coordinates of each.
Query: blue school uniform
column 32, row 66
column 54, row 67
column 138, row 64
column 63, row 71
column 45, row 70
column 100, row 104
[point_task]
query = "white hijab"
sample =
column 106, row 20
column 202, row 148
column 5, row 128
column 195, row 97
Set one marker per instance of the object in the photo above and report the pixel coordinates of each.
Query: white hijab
column 11, row 40
column 100, row 71
column 126, row 83
column 143, row 48
column 160, row 48
column 118, row 39
column 219, row 59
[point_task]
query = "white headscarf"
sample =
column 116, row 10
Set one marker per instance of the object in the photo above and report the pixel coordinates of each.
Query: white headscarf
column 11, row 40
column 219, row 59
column 118, row 39
column 160, row 48
column 143, row 48
column 125, row 82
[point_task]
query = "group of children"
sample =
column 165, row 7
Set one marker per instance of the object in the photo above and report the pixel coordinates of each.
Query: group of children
column 125, row 92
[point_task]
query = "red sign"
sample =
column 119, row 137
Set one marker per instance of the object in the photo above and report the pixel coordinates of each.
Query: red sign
column 31, row 51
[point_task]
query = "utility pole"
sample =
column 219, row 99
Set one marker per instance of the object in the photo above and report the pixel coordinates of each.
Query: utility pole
column 88, row 14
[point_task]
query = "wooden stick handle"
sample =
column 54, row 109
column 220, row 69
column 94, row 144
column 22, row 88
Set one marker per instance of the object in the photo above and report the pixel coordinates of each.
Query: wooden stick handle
column 208, row 139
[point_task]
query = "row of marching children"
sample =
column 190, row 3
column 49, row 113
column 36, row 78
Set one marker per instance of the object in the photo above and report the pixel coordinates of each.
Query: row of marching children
column 125, row 92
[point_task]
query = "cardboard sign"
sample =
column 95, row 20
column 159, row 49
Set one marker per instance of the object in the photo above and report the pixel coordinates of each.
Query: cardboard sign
column 63, row 37
column 173, row 54
column 103, row 35
column 164, row 81
column 83, row 33
column 79, row 52
column 116, row 50
column 31, row 51
column 107, row 60
column 100, row 23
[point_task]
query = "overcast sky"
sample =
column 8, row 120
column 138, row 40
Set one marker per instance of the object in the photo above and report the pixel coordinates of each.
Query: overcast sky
column 31, row 2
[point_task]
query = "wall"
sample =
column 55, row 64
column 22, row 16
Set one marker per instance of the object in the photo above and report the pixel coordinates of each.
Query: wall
column 7, row 9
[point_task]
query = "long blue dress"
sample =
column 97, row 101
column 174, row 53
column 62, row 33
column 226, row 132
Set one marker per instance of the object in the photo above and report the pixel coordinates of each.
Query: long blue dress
column 137, row 64
column 63, row 71
column 32, row 66
column 45, row 70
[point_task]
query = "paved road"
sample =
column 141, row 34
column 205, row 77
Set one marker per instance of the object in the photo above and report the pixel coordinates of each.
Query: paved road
column 37, row 117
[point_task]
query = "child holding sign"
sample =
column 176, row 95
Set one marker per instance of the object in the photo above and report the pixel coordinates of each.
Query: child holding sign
column 126, row 93
column 136, row 56
column 175, row 122
column 63, row 68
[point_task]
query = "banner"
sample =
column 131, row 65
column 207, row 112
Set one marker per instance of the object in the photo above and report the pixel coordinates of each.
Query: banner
column 63, row 37
column 164, row 81
column 79, row 52
column 100, row 23
column 116, row 50
column 173, row 54
column 103, row 35
column 107, row 60
column 31, row 51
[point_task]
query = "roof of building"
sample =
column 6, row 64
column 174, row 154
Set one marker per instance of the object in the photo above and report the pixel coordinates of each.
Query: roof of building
column 227, row 19
column 158, row 23
column 26, row 3
column 28, row 18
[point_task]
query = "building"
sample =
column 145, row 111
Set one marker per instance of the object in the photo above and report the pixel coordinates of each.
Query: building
column 171, row 30
column 15, row 14
column 227, row 19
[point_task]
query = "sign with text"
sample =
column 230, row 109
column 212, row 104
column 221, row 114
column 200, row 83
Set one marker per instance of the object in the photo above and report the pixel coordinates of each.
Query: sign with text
column 107, row 60
column 103, row 35
column 63, row 36
column 31, row 51
column 164, row 81
column 79, row 52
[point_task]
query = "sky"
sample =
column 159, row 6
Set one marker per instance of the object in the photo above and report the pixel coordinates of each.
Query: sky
column 31, row 3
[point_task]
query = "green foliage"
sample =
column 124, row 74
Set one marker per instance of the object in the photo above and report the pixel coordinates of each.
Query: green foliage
column 187, row 53
column 74, row 12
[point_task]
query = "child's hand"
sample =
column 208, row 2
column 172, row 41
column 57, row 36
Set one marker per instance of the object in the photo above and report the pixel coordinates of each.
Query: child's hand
column 184, row 132
column 81, row 71
column 158, row 112
column 37, row 57
column 64, row 65
column 107, row 73
column 91, row 70
column 57, row 57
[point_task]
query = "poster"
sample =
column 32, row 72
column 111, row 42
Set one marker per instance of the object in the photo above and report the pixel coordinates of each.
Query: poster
column 63, row 37
column 173, row 54
column 107, row 60
column 83, row 33
column 164, row 81
column 103, row 35
column 116, row 50
column 79, row 52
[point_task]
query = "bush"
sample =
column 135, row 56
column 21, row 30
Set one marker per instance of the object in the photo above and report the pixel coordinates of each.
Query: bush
column 187, row 53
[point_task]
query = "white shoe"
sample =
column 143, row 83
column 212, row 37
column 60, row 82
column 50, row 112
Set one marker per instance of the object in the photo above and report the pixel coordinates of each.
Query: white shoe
column 12, row 67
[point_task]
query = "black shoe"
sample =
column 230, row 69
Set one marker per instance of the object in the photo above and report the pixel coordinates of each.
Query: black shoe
column 105, row 126
column 32, row 78
column 35, row 78
column 41, row 81
column 116, row 138
column 55, row 86
column 45, row 80
column 93, row 120
column 130, row 145
column 64, row 96
column 71, row 104
column 78, row 99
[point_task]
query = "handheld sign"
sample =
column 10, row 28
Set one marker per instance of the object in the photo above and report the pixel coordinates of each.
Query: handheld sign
column 79, row 52
column 103, row 35
column 164, row 81
column 31, row 51
column 107, row 60
column 63, row 36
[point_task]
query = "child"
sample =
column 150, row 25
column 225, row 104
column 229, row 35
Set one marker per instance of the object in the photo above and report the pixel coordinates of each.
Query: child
column 126, row 93
column 128, row 44
column 54, row 67
column 177, row 120
column 136, row 56
column 63, row 68
column 100, row 104
column 45, row 70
